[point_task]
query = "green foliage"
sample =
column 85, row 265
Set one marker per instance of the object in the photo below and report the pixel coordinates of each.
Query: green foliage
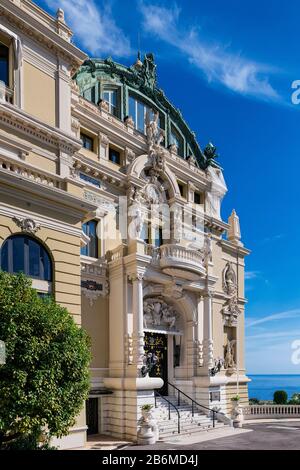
column 280, row 397
column 147, row 407
column 254, row 401
column 235, row 398
column 295, row 399
column 46, row 378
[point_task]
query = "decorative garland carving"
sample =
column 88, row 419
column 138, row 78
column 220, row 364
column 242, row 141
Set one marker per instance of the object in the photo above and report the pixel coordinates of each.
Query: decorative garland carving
column 27, row 225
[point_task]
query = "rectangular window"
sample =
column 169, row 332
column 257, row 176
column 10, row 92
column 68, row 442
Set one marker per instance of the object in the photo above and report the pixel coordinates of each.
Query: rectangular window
column 4, row 64
column 182, row 189
column 111, row 97
column 90, row 180
column 177, row 140
column 145, row 232
column 158, row 239
column 114, row 156
column 197, row 198
column 91, row 248
column 87, row 141
column 139, row 111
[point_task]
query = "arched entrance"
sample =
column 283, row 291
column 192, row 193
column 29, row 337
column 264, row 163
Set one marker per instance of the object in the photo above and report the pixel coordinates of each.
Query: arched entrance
column 161, row 327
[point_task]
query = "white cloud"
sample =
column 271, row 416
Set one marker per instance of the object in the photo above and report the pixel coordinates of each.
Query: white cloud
column 295, row 313
column 251, row 275
column 216, row 63
column 94, row 27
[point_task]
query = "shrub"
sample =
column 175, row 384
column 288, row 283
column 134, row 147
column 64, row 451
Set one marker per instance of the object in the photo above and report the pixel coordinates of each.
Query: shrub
column 280, row 397
column 254, row 401
column 295, row 399
column 45, row 380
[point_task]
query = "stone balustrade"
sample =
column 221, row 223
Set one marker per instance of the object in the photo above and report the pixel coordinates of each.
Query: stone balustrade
column 271, row 411
column 6, row 94
column 172, row 256
column 117, row 253
column 38, row 176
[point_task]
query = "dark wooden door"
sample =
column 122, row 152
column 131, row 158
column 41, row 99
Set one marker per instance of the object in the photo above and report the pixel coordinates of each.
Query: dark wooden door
column 157, row 343
column 92, row 415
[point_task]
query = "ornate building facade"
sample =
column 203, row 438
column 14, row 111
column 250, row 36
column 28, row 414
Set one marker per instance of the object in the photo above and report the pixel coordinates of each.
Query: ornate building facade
column 109, row 204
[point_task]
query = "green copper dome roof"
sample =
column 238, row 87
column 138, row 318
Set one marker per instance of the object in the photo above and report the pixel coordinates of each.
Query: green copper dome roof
column 142, row 78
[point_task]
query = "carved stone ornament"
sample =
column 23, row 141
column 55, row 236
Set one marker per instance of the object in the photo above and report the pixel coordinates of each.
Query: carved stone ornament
column 229, row 279
column 92, row 290
column 158, row 314
column 155, row 135
column 27, row 225
column 231, row 312
column 173, row 290
column 229, row 355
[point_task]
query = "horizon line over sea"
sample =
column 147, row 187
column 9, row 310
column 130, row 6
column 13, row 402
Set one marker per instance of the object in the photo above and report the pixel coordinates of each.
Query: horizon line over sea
column 263, row 386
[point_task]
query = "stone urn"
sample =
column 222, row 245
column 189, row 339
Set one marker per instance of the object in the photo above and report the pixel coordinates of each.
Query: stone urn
column 237, row 412
column 147, row 427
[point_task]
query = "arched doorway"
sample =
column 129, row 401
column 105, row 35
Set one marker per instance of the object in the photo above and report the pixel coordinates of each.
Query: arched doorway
column 161, row 326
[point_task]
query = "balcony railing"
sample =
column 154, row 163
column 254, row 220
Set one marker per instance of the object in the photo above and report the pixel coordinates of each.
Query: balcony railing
column 6, row 94
column 37, row 176
column 172, row 256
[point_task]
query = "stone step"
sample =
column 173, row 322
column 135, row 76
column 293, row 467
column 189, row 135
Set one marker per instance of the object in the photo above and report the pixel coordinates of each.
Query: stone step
column 173, row 426
column 165, row 434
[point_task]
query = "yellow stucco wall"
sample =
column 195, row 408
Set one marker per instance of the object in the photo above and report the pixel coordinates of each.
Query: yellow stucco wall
column 41, row 162
column 64, row 250
column 95, row 322
column 39, row 93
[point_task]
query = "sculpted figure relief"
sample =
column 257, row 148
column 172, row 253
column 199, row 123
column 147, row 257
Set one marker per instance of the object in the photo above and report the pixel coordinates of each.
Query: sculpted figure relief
column 155, row 135
column 229, row 362
column 158, row 313
column 229, row 279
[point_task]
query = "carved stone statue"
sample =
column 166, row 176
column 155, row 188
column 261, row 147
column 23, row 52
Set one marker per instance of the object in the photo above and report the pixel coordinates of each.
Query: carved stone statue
column 231, row 311
column 167, row 316
column 229, row 362
column 207, row 249
column 155, row 135
column 159, row 314
column 229, row 279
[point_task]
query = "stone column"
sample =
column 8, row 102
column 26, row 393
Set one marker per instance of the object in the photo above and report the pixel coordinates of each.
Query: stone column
column 208, row 333
column 138, row 321
column 200, row 331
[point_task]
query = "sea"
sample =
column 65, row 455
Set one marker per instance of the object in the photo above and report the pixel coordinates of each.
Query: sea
column 264, row 386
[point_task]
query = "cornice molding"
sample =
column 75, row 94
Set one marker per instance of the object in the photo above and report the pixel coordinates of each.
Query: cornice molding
column 233, row 248
column 34, row 25
column 44, row 196
column 17, row 119
column 41, row 221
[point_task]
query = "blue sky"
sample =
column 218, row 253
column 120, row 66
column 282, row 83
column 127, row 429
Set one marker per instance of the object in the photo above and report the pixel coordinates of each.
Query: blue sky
column 229, row 67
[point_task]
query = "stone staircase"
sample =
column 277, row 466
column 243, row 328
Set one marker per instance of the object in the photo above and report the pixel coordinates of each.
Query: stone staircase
column 189, row 424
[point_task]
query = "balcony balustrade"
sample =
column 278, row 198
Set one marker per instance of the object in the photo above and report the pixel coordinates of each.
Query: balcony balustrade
column 178, row 260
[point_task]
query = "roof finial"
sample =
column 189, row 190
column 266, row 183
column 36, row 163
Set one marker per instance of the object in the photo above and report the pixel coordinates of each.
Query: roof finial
column 138, row 63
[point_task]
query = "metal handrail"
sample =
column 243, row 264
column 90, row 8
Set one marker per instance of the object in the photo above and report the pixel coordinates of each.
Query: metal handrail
column 156, row 393
column 194, row 402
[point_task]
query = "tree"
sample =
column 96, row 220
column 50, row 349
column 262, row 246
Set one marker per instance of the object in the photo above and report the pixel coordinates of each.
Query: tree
column 280, row 397
column 295, row 399
column 45, row 380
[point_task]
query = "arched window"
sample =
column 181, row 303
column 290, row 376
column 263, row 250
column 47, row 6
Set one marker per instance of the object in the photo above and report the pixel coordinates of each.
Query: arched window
column 22, row 253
